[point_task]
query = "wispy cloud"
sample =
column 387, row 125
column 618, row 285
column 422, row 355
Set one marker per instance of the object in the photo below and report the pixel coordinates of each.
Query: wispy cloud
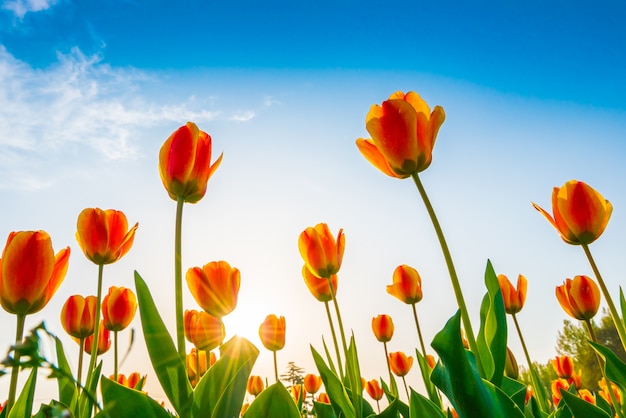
column 243, row 116
column 21, row 7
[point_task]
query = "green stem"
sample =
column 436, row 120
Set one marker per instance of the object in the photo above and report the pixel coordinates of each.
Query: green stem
column 406, row 389
column 609, row 384
column 419, row 331
column 392, row 381
column 275, row 366
column 619, row 324
column 96, row 331
column 453, row 276
column 19, row 334
column 115, row 355
column 81, row 348
column 332, row 330
column 533, row 373
column 178, row 276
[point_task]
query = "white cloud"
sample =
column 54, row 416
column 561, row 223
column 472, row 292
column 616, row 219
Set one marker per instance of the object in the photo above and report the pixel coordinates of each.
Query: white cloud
column 243, row 116
column 21, row 7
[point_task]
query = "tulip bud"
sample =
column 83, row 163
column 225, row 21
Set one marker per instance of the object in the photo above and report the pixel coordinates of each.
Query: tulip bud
column 579, row 298
column 382, row 325
column 272, row 332
column 322, row 255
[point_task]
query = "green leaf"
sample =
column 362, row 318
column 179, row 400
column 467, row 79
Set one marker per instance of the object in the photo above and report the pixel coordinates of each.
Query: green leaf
column 403, row 408
column 168, row 365
column 122, row 402
column 492, row 334
column 68, row 392
column 337, row 393
column 323, row 410
column 422, row 407
column 53, row 410
column 273, row 402
column 328, row 357
column 354, row 373
column 457, row 377
column 515, row 390
column 23, row 407
column 431, row 389
column 622, row 303
column 582, row 408
column 614, row 368
column 221, row 391
column 509, row 408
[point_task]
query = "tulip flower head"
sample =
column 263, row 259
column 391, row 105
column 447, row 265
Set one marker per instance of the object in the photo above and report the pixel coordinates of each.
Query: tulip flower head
column 563, row 366
column 318, row 286
column 204, row 330
column 579, row 297
column 255, row 385
column 604, row 391
column 556, row 387
column 104, row 340
column 30, row 272
column 580, row 212
column 400, row 363
column 196, row 362
column 586, row 395
column 133, row 381
column 312, row 383
column 298, row 393
column 407, row 284
column 511, row 369
column 215, row 287
column 372, row 387
column 78, row 316
column 403, row 131
column 514, row 299
column 272, row 332
column 323, row 398
column 103, row 235
column 322, row 254
column 382, row 326
column 118, row 308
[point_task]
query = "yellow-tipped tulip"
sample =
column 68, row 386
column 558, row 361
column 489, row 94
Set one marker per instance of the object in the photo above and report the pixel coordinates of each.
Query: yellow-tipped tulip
column 78, row 316
column 382, row 326
column 118, row 308
column 322, row 254
column 400, row 363
column 215, row 287
column 318, row 286
column 103, row 235
column 255, row 385
column 579, row 297
column 272, row 332
column 312, row 383
column 407, row 284
column 205, row 331
column 514, row 299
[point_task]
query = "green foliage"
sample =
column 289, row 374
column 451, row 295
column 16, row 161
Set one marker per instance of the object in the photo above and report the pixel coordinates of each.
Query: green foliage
column 273, row 402
column 122, row 402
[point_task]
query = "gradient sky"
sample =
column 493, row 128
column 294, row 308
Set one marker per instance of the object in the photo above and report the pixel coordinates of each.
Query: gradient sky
column 533, row 96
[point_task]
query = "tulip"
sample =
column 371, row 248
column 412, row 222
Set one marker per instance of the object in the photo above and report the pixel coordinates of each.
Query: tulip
column 215, row 287
column 255, row 385
column 30, row 272
column 298, row 393
column 118, row 308
column 104, row 341
column 513, row 298
column 382, row 325
column 205, row 331
column 196, row 362
column 103, row 235
column 580, row 212
column 78, row 316
column 312, row 383
column 372, row 387
column 430, row 359
column 133, row 381
column 319, row 287
column 185, row 163
column 407, row 285
column 586, row 395
column 244, row 408
column 400, row 363
column 272, row 332
column 511, row 368
column 579, row 297
column 576, row 379
column 403, row 134
column 563, row 366
column 556, row 387
column 322, row 254
column 323, row 398
column 604, row 391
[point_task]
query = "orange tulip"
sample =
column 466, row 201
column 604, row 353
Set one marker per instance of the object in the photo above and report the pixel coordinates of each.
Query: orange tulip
column 196, row 368
column 586, row 395
column 30, row 272
column 323, row 398
column 204, row 330
column 244, row 408
column 215, row 287
column 407, row 284
column 576, row 379
column 319, row 287
column 430, row 359
column 104, row 340
column 272, row 332
column 372, row 387
column 403, row 134
column 604, row 391
column 400, row 363
column 312, row 383
column 513, row 298
column 78, row 316
column 382, row 325
column 322, row 255
column 185, row 163
column 103, row 235
column 298, row 393
column 556, row 387
column 133, row 381
column 563, row 366
column 580, row 212
column 579, row 297
column 118, row 308
column 255, row 385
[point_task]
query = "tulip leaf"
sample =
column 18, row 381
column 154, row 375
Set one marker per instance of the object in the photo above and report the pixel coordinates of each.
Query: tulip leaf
column 622, row 303
column 169, row 367
column 422, row 407
column 273, row 402
column 581, row 408
column 221, row 391
column 329, row 358
column 515, row 390
column 403, row 408
column 431, row 389
column 337, row 394
column 68, row 393
column 323, row 410
column 457, row 376
column 122, row 402
column 614, row 368
column 54, row 409
column 353, row 370
column 507, row 406
column 23, row 407
column 492, row 334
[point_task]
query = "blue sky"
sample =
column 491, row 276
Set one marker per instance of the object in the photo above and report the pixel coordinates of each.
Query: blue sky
column 533, row 97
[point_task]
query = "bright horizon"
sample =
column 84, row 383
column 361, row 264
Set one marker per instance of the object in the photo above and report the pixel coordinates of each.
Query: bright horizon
column 532, row 100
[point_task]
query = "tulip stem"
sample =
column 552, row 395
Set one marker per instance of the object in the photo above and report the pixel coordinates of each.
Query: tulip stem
column 419, row 331
column 539, row 392
column 178, row 276
column 81, row 348
column 609, row 383
column 406, row 389
column 392, row 381
column 19, row 334
column 332, row 330
column 115, row 355
column 96, row 331
column 275, row 366
column 453, row 276
column 619, row 324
